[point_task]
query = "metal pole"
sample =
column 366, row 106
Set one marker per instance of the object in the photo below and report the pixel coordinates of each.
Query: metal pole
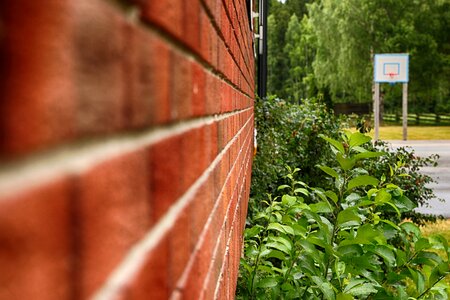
column 376, row 110
column 405, row 111
column 262, row 51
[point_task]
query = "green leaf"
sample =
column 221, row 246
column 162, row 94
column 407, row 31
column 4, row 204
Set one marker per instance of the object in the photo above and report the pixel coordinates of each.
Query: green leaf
column 321, row 243
column 439, row 242
column 401, row 257
column 283, row 241
column 360, row 287
column 348, row 217
column 299, row 230
column 427, row 258
column 301, row 191
column 366, row 234
column 329, row 171
column 362, row 180
column 357, row 139
column 383, row 196
column 276, row 254
column 281, row 228
column 279, row 246
column 320, row 193
column 288, row 200
column 368, row 154
column 267, row 282
column 386, row 253
column 336, row 144
column 363, row 290
column 345, row 163
column 325, row 287
column 307, row 265
column 422, row 244
column 321, row 207
column 342, row 296
column 411, row 228
column 351, row 251
column 359, row 149
column 284, row 186
column 390, row 223
column 404, row 204
column 418, row 279
column 332, row 195
column 251, row 232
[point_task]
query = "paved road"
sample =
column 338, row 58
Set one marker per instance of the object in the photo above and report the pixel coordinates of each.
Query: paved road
column 441, row 173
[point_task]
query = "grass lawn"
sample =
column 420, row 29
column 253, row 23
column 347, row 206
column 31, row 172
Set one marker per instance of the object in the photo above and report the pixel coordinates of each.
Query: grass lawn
column 414, row 133
column 441, row 227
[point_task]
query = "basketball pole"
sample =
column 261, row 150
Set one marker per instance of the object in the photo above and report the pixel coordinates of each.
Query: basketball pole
column 376, row 110
column 405, row 111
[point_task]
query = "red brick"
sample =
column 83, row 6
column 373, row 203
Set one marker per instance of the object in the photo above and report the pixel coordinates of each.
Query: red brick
column 36, row 90
column 147, row 74
column 36, row 243
column 191, row 24
column 225, row 25
column 181, row 86
column 198, row 90
column 205, row 37
column 99, row 52
column 196, row 275
column 212, row 143
column 166, row 174
column 152, row 282
column 214, row 271
column 167, row 14
column 193, row 160
column 200, row 209
column 212, row 95
column 180, row 246
column 114, row 213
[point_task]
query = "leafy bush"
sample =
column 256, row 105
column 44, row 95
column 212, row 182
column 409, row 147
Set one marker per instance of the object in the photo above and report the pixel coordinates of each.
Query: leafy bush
column 415, row 185
column 339, row 246
column 288, row 135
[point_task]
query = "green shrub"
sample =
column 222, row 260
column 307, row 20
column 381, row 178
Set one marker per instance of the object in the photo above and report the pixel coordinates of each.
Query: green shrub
column 334, row 243
column 415, row 185
column 288, row 135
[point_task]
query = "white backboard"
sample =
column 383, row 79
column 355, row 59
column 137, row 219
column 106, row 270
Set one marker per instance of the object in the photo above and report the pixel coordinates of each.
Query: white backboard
column 391, row 68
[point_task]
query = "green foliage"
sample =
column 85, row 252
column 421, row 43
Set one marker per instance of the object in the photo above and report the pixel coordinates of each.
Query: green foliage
column 413, row 182
column 288, row 135
column 290, row 51
column 326, row 46
column 334, row 243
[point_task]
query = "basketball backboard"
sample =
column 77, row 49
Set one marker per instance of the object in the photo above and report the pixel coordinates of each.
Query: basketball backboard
column 391, row 68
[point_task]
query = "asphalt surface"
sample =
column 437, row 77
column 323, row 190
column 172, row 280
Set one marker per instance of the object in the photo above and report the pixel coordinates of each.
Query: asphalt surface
column 441, row 173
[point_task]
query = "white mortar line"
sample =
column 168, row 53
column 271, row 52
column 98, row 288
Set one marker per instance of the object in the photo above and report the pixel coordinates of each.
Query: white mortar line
column 202, row 236
column 243, row 168
column 75, row 159
column 233, row 226
column 133, row 262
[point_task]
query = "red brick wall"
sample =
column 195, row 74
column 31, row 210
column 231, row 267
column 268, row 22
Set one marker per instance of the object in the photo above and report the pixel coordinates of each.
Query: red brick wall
column 125, row 147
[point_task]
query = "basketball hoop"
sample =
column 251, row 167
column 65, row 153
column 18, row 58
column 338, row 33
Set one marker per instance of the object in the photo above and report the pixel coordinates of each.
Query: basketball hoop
column 392, row 75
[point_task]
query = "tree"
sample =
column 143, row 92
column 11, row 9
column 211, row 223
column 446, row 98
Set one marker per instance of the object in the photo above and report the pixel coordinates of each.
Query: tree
column 348, row 32
column 299, row 50
column 279, row 62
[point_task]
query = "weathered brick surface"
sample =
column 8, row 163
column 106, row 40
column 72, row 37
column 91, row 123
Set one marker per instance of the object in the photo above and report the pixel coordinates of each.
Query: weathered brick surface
column 36, row 244
column 126, row 134
column 113, row 213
